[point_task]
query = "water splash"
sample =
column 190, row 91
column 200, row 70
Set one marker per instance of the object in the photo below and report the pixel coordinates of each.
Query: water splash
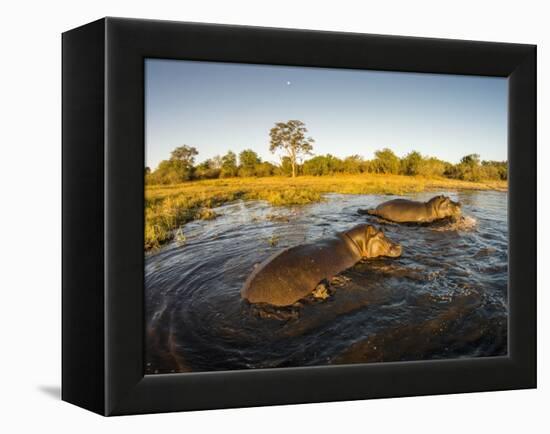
column 464, row 223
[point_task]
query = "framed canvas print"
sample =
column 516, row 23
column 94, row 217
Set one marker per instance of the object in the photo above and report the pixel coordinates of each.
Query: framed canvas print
column 257, row 216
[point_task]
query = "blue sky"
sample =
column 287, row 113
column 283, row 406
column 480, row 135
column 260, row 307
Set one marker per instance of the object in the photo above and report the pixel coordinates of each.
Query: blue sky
column 217, row 107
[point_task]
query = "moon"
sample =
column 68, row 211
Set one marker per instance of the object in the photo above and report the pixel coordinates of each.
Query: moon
column 288, row 83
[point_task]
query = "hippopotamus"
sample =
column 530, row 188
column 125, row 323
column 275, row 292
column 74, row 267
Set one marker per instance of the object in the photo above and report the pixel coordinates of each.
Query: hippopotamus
column 409, row 211
column 294, row 273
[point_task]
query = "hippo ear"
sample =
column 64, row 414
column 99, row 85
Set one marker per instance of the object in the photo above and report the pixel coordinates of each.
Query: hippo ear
column 436, row 200
column 371, row 231
column 442, row 201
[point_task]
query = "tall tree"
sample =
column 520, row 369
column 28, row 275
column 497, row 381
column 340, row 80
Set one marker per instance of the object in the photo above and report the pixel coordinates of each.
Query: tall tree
column 185, row 154
column 290, row 138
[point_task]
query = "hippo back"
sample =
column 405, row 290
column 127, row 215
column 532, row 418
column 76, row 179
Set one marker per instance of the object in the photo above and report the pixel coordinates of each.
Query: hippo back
column 293, row 273
column 402, row 211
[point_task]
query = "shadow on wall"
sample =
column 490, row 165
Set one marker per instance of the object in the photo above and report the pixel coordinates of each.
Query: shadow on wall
column 51, row 391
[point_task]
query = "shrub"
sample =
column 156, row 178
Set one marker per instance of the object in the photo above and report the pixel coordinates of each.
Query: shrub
column 264, row 169
column 248, row 160
column 171, row 172
column 354, row 164
column 386, row 162
column 431, row 167
column 410, row 164
column 323, row 165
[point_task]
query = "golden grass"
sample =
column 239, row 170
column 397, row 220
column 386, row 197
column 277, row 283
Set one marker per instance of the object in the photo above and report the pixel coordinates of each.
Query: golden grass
column 167, row 207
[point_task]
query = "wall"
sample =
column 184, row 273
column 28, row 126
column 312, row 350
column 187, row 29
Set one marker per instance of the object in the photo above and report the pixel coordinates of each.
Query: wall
column 30, row 219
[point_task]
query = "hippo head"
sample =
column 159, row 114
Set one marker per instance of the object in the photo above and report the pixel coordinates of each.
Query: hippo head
column 444, row 207
column 372, row 242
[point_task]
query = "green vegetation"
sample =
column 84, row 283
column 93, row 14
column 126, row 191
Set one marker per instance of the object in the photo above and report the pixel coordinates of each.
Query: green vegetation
column 179, row 190
column 168, row 207
column 470, row 168
column 178, row 168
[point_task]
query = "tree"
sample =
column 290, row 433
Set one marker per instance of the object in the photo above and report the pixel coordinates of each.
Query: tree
column 248, row 160
column 471, row 160
column 323, row 165
column 265, row 169
column 171, row 172
column 178, row 168
column 208, row 169
column 354, row 164
column 285, row 168
column 289, row 137
column 185, row 154
column 500, row 166
column 216, row 162
column 432, row 166
column 469, row 169
column 229, row 165
column 411, row 163
column 386, row 161
column 316, row 166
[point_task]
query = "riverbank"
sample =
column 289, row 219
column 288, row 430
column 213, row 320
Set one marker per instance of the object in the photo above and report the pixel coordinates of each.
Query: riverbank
column 167, row 207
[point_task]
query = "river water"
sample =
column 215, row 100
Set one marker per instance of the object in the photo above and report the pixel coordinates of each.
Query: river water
column 445, row 297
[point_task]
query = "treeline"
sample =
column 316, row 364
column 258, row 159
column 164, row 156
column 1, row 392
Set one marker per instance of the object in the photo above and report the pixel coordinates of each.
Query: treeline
column 181, row 166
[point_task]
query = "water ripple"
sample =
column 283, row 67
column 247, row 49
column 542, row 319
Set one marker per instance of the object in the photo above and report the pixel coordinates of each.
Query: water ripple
column 445, row 297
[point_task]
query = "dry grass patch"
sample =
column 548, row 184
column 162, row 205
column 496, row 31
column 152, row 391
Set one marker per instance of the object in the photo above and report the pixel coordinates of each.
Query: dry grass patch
column 168, row 207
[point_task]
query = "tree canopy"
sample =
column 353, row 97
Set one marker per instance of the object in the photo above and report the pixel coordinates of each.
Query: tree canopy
column 386, row 161
column 185, row 154
column 229, row 165
column 290, row 138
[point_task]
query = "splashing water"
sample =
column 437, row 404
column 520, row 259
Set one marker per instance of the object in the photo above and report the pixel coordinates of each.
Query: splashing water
column 464, row 223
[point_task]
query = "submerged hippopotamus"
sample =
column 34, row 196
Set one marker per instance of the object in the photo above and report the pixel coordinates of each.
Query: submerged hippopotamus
column 294, row 273
column 409, row 211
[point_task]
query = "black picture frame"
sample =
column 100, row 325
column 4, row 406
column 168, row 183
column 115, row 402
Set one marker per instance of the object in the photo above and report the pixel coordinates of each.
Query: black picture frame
column 103, row 203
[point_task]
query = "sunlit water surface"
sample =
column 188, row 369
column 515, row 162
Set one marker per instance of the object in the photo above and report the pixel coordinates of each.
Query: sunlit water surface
column 446, row 297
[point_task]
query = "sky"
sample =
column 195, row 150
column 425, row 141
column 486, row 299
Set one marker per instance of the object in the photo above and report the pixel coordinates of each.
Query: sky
column 216, row 107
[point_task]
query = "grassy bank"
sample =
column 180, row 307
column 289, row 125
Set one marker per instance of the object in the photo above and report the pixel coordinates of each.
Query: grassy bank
column 167, row 207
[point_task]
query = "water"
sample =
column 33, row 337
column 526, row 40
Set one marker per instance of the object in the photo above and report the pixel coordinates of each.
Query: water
column 446, row 297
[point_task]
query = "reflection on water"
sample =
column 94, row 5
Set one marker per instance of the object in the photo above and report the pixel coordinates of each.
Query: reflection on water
column 446, row 297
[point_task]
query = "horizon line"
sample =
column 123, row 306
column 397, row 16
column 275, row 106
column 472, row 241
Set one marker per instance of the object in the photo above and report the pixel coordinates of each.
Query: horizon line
column 312, row 155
